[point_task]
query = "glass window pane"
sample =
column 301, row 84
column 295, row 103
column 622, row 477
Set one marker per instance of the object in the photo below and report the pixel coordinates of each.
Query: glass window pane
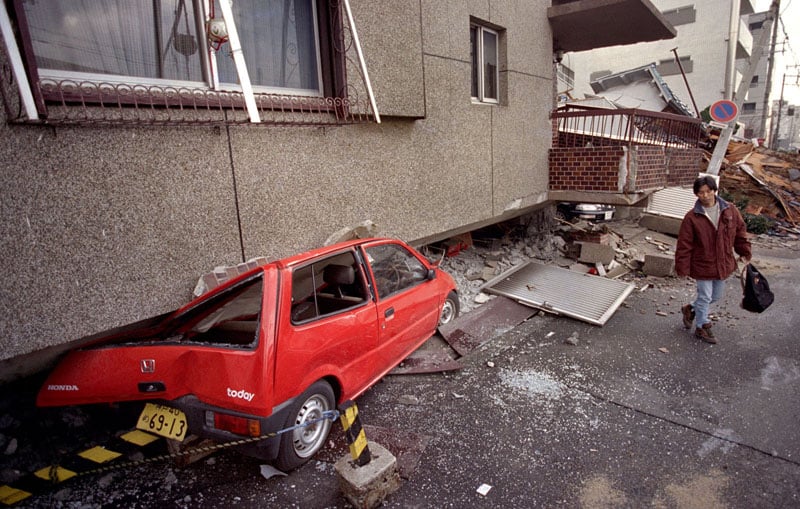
column 395, row 269
column 490, row 76
column 142, row 38
column 279, row 44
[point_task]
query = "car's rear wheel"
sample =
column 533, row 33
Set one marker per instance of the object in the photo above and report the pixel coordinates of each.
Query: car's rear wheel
column 299, row 445
column 449, row 309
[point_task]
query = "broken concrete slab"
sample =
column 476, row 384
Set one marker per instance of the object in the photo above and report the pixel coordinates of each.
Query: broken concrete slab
column 595, row 253
column 367, row 486
column 469, row 331
column 663, row 224
column 660, row 265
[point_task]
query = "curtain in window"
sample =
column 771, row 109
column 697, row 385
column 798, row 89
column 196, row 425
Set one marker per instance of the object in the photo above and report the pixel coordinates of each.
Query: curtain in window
column 279, row 43
column 142, row 38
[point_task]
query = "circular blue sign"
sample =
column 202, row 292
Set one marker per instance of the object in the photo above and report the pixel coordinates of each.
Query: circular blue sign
column 723, row 111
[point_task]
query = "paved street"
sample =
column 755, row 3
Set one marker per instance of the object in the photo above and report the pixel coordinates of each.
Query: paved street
column 638, row 413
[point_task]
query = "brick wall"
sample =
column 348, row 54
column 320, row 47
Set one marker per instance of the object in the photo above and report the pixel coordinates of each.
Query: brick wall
column 649, row 164
column 684, row 164
column 585, row 169
column 597, row 168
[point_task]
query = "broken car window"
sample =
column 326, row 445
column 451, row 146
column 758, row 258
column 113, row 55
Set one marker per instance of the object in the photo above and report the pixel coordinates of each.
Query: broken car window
column 395, row 269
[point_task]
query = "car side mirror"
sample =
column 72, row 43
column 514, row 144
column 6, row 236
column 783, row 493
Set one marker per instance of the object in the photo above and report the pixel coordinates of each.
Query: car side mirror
column 431, row 274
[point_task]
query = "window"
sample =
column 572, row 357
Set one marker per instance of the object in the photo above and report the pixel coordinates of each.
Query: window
column 748, row 108
column 484, row 52
column 756, row 25
column 754, row 82
column 790, row 111
column 164, row 43
column 565, row 75
column 327, row 287
column 165, row 40
column 395, row 269
column 681, row 15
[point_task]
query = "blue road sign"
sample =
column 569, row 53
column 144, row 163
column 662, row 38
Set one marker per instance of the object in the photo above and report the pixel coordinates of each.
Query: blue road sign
column 723, row 111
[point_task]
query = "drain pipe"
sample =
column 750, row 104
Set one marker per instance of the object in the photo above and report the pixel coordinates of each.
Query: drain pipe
column 238, row 60
column 16, row 65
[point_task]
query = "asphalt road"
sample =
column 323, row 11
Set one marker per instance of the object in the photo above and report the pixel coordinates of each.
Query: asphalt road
column 637, row 413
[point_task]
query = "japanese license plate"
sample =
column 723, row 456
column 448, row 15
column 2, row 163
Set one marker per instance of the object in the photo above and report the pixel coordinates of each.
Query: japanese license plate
column 609, row 215
column 163, row 420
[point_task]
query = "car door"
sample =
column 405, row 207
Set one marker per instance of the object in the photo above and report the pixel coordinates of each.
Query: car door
column 408, row 300
column 330, row 327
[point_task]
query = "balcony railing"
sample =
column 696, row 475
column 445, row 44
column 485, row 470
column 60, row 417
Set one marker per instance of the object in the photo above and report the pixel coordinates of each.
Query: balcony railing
column 596, row 127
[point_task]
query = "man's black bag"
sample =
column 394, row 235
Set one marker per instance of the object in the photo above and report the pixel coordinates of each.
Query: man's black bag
column 757, row 295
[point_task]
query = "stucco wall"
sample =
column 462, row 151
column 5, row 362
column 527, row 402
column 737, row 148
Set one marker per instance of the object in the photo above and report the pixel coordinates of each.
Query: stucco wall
column 103, row 227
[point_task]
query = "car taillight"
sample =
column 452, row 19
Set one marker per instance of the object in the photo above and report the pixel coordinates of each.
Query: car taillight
column 235, row 424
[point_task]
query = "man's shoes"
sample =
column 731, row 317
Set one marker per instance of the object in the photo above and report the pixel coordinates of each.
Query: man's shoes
column 704, row 333
column 688, row 315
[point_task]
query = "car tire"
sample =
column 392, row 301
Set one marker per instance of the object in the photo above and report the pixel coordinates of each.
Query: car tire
column 300, row 445
column 449, row 309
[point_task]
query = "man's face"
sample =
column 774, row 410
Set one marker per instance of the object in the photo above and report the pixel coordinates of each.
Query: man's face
column 706, row 196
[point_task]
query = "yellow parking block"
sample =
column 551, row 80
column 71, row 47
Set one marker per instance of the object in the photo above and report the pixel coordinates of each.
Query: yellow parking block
column 99, row 454
column 10, row 496
column 57, row 474
column 139, row 438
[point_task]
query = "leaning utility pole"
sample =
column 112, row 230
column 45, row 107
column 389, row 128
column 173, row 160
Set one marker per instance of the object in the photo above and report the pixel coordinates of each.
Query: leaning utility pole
column 770, row 67
column 741, row 92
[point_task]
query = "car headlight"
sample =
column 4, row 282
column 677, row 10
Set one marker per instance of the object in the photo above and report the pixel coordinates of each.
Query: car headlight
column 587, row 207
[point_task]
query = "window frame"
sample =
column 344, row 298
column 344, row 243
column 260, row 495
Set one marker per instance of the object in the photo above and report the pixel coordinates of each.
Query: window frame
column 312, row 294
column 331, row 71
column 478, row 64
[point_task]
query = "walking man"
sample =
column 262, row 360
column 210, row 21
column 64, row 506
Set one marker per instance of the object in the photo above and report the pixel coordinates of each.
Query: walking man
column 708, row 237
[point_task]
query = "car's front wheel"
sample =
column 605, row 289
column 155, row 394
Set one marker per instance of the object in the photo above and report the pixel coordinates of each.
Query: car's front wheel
column 299, row 445
column 449, row 309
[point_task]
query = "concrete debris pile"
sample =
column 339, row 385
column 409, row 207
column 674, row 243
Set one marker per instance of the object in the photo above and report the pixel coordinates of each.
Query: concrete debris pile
column 763, row 183
column 621, row 249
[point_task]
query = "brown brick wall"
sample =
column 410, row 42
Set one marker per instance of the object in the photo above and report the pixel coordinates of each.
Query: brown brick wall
column 585, row 169
column 650, row 165
column 684, row 164
column 597, row 168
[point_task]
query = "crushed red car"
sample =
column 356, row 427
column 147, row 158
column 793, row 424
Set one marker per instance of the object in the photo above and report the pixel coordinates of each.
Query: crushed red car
column 277, row 346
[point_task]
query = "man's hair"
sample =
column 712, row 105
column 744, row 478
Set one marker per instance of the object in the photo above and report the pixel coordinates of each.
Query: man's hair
column 705, row 180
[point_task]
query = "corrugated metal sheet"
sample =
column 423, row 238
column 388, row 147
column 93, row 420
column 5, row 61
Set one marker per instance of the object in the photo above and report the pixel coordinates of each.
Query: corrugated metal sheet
column 671, row 202
column 586, row 297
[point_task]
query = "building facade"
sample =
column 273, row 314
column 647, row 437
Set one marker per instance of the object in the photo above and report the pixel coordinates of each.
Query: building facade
column 755, row 108
column 147, row 142
column 713, row 44
column 786, row 127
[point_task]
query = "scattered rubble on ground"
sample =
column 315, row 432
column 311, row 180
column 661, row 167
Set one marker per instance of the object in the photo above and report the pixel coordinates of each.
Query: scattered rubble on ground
column 639, row 255
column 764, row 183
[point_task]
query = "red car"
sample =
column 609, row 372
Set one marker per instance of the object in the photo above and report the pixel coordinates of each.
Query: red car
column 275, row 347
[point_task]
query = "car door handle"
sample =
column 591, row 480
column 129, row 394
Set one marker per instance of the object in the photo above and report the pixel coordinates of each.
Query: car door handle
column 389, row 314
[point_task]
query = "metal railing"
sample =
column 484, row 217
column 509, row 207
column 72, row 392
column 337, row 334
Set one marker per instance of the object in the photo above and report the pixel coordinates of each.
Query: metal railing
column 597, row 127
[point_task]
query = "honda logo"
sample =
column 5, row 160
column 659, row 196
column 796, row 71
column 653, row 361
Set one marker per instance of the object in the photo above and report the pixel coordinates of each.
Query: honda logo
column 148, row 365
